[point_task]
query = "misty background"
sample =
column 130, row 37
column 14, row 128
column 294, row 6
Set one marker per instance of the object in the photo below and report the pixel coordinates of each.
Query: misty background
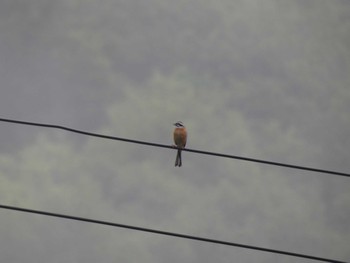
column 262, row 79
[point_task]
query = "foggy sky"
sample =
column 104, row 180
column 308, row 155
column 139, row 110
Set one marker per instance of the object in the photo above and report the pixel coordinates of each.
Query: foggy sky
column 265, row 80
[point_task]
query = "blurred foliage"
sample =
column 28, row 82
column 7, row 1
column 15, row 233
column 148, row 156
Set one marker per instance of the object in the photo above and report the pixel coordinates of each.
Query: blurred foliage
column 260, row 79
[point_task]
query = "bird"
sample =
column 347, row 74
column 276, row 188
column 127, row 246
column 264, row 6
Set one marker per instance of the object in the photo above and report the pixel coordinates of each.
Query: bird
column 180, row 139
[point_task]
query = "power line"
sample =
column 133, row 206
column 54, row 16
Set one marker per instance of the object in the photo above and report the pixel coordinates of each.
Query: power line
column 166, row 233
column 172, row 147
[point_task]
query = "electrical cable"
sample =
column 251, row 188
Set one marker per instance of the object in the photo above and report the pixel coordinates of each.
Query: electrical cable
column 173, row 147
column 166, row 233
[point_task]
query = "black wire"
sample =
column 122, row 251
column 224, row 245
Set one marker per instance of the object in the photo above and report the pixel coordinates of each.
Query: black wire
column 160, row 232
column 172, row 147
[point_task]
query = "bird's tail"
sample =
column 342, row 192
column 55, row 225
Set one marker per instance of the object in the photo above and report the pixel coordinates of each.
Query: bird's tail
column 178, row 161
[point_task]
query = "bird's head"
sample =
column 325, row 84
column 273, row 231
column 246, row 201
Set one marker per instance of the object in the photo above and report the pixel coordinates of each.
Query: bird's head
column 179, row 124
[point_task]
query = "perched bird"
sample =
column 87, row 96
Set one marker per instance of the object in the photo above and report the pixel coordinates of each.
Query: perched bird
column 180, row 138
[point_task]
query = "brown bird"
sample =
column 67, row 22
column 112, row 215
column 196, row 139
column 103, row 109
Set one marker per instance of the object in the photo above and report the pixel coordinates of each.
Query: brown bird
column 180, row 139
